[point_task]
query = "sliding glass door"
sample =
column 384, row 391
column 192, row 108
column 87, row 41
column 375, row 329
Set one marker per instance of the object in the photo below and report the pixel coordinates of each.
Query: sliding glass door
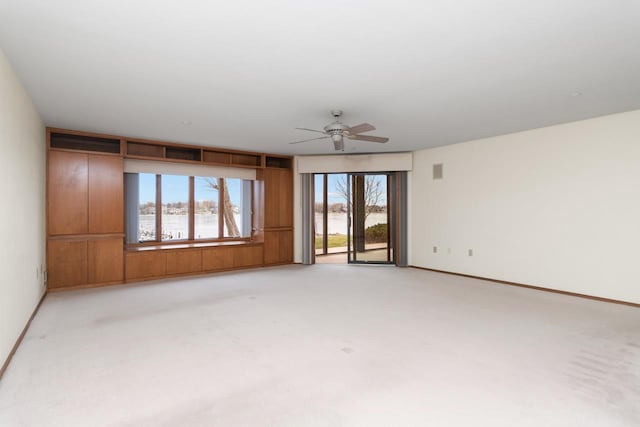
column 369, row 219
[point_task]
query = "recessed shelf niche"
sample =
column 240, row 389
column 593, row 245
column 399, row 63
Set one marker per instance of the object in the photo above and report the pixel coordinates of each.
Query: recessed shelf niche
column 84, row 143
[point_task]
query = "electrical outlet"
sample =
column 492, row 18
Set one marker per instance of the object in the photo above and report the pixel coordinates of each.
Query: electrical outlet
column 435, row 249
column 470, row 252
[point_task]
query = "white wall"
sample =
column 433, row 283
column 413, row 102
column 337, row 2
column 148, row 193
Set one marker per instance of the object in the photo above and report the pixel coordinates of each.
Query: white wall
column 22, row 216
column 557, row 207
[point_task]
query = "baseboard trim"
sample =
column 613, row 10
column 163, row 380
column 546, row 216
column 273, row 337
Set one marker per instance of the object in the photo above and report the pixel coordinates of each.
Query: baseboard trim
column 20, row 338
column 537, row 288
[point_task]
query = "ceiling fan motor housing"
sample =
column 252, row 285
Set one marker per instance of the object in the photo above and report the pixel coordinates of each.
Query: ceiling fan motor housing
column 335, row 128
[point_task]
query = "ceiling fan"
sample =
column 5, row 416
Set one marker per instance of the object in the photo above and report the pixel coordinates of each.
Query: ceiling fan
column 337, row 131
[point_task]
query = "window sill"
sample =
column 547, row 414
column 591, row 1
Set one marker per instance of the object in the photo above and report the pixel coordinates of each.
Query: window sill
column 170, row 246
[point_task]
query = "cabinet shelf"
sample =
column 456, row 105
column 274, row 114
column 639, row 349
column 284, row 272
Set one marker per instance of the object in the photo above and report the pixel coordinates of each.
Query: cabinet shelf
column 219, row 157
column 84, row 143
column 144, row 150
column 183, row 153
column 278, row 162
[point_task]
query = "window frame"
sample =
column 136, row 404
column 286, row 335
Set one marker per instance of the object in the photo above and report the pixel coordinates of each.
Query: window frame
column 191, row 218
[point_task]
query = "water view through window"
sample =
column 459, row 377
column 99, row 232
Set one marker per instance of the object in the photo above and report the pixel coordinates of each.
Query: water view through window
column 175, row 207
column 206, row 207
column 147, row 207
column 233, row 206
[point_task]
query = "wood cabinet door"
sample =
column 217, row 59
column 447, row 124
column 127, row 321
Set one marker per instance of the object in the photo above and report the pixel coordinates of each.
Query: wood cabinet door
column 105, row 260
column 247, row 256
column 66, row 263
column 278, row 247
column 184, row 261
column 278, row 198
column 67, row 193
column 106, row 194
column 145, row 265
column 217, row 258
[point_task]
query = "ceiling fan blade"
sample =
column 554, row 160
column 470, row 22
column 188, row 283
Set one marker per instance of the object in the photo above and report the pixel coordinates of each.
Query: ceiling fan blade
column 307, row 140
column 339, row 144
column 369, row 138
column 311, row 130
column 362, row 127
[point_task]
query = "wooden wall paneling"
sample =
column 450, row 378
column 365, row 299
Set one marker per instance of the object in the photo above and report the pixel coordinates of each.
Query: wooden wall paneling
column 106, row 194
column 67, row 193
column 220, row 258
column 105, row 260
column 145, row 265
column 183, row 261
column 66, row 263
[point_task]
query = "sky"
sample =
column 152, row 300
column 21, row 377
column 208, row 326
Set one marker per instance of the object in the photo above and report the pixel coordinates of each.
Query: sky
column 175, row 188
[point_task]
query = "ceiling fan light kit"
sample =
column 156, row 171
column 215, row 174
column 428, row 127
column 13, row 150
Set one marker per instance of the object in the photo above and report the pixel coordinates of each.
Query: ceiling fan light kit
column 336, row 131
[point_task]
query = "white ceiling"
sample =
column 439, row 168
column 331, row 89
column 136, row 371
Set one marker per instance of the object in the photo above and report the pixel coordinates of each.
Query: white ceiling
column 244, row 73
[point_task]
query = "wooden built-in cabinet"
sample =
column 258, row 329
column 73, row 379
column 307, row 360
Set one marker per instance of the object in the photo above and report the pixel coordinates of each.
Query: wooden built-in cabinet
column 278, row 247
column 278, row 214
column 85, row 212
column 105, row 263
column 85, row 194
column 84, row 261
column 68, row 190
column 144, row 263
column 278, row 194
column 106, row 194
column 66, row 263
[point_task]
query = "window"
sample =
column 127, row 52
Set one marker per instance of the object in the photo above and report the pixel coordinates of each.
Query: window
column 235, row 196
column 146, row 207
column 192, row 208
column 175, row 207
column 206, row 208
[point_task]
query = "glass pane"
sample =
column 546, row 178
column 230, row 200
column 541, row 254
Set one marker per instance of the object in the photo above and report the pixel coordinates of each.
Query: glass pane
column 147, row 207
column 232, row 209
column 376, row 227
column 175, row 207
column 369, row 225
column 337, row 213
column 206, row 207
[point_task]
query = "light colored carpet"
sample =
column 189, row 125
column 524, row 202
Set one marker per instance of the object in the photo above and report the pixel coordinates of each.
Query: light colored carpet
column 326, row 345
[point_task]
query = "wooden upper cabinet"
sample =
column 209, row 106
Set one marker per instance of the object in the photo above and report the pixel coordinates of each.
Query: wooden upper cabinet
column 67, row 190
column 278, row 198
column 106, row 194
